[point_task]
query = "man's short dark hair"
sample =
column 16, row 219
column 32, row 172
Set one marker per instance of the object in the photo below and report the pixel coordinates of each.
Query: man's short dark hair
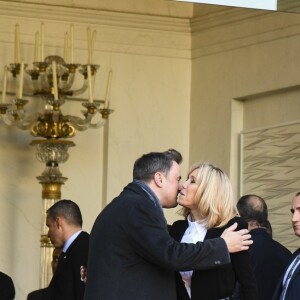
column 253, row 208
column 66, row 209
column 148, row 164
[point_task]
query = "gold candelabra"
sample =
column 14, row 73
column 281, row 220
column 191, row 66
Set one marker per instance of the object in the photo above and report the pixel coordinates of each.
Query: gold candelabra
column 51, row 85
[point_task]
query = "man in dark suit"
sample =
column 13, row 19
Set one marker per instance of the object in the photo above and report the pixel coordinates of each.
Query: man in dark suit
column 132, row 256
column 64, row 221
column 288, row 287
column 268, row 257
column 7, row 288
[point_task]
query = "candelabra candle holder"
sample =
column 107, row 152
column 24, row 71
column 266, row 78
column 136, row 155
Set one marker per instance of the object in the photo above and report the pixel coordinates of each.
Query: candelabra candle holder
column 52, row 81
column 52, row 153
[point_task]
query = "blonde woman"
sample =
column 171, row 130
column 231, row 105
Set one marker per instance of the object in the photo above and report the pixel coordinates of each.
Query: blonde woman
column 209, row 208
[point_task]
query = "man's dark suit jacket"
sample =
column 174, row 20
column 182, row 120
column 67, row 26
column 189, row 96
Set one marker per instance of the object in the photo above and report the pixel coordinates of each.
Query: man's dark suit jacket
column 66, row 283
column 217, row 283
column 133, row 257
column 293, row 291
column 7, row 288
column 268, row 260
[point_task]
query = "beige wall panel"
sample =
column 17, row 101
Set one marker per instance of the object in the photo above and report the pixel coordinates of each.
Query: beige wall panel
column 236, row 71
column 270, row 160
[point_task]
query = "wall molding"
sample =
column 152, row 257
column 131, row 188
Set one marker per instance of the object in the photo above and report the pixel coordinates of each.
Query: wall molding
column 116, row 32
column 221, row 31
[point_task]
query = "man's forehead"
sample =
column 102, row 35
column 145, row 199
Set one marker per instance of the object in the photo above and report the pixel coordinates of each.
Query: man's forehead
column 296, row 202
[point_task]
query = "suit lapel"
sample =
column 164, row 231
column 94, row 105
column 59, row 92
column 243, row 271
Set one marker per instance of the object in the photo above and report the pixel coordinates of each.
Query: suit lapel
column 62, row 259
column 297, row 270
column 178, row 229
column 213, row 233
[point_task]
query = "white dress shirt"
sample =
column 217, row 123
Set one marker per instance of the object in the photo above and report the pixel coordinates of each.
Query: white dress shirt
column 70, row 241
column 193, row 234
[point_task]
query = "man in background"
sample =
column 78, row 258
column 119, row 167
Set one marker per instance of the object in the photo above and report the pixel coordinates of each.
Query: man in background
column 268, row 257
column 64, row 222
column 7, row 288
column 288, row 287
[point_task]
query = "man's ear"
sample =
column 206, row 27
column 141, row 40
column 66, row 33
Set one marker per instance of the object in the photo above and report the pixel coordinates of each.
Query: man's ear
column 58, row 222
column 158, row 179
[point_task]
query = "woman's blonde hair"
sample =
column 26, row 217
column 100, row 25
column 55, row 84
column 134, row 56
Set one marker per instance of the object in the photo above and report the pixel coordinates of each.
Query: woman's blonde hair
column 214, row 197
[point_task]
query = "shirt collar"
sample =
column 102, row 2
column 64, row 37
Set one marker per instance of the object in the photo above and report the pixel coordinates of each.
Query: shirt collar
column 149, row 192
column 70, row 240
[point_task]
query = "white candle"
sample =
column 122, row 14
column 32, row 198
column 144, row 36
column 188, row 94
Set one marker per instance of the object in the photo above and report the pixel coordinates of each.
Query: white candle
column 4, row 84
column 89, row 39
column 54, row 80
column 72, row 44
column 36, row 47
column 20, row 91
column 66, row 47
column 93, row 40
column 17, row 44
column 108, row 89
column 42, row 42
column 90, row 83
